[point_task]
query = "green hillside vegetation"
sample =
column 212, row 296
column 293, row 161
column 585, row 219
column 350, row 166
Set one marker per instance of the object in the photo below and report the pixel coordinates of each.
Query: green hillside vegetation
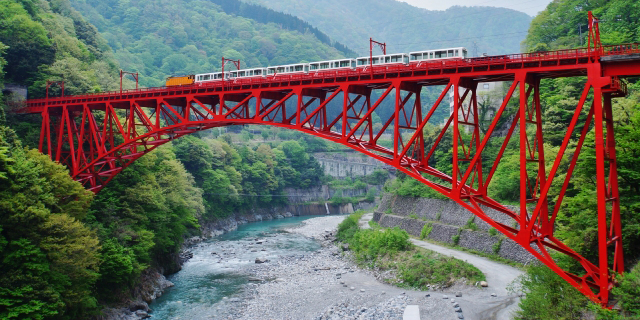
column 406, row 28
column 48, row 40
column 159, row 38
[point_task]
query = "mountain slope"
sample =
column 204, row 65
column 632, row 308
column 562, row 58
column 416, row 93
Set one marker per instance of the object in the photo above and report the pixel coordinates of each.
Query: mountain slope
column 406, row 28
column 48, row 40
column 159, row 38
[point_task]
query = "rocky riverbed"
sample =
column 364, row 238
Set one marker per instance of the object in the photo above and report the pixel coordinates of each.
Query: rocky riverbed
column 326, row 285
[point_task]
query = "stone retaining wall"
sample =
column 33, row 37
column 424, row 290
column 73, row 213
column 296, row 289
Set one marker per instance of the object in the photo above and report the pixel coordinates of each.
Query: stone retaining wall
column 444, row 211
column 452, row 221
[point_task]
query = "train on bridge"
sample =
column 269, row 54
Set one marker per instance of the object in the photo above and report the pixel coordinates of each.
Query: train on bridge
column 405, row 59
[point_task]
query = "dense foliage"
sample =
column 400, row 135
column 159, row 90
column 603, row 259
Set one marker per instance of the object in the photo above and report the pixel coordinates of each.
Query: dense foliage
column 159, row 38
column 49, row 260
column 48, row 40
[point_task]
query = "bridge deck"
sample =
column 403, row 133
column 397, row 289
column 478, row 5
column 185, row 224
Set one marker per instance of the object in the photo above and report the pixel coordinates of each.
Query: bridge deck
column 620, row 60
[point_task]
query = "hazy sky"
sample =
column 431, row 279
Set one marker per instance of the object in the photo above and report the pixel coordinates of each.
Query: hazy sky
column 530, row 7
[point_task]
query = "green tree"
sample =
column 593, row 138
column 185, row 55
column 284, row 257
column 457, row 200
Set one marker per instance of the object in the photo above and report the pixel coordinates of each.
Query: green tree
column 48, row 259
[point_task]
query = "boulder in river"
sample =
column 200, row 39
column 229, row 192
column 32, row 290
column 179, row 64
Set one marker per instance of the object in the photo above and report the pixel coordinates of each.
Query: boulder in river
column 261, row 260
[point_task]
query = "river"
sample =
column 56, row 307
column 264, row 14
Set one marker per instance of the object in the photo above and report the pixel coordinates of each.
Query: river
column 208, row 283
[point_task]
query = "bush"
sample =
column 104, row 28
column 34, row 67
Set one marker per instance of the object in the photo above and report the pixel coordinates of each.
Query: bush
column 493, row 231
column 496, row 246
column 348, row 227
column 426, row 230
column 628, row 292
column 427, row 267
column 368, row 244
column 547, row 296
column 456, row 239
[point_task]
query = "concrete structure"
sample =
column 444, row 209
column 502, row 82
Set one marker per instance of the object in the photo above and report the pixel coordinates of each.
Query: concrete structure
column 349, row 165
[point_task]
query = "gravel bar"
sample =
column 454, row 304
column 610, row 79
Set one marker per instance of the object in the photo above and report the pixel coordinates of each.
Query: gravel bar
column 325, row 285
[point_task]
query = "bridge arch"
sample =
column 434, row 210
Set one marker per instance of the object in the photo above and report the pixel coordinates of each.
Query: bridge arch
column 97, row 136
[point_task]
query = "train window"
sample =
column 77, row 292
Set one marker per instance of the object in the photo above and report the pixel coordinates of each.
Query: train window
column 313, row 66
column 430, row 55
column 457, row 54
column 299, row 68
column 280, row 69
column 405, row 59
column 241, row 74
column 387, row 59
column 416, row 56
column 362, row 62
column 450, row 53
column 439, row 54
column 324, row 65
column 464, row 53
column 376, row 60
column 206, row 77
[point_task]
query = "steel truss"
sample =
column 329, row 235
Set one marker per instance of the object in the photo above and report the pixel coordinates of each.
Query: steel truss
column 99, row 136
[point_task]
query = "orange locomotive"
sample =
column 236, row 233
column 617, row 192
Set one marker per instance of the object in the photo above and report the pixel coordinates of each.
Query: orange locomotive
column 180, row 80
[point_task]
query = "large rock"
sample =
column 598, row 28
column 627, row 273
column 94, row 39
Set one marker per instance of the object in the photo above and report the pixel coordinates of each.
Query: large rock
column 261, row 260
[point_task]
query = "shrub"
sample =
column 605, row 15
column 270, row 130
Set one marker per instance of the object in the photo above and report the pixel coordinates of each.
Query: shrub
column 348, row 227
column 496, row 246
column 426, row 230
column 628, row 292
column 456, row 239
column 413, row 216
column 547, row 296
column 470, row 224
column 368, row 244
column 426, row 267
column 493, row 231
column 438, row 216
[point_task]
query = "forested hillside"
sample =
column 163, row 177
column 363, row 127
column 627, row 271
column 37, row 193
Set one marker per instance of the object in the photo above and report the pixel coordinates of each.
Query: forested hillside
column 159, row 38
column 406, row 28
column 48, row 40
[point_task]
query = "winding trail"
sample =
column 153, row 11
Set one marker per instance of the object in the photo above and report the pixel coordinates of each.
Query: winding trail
column 498, row 275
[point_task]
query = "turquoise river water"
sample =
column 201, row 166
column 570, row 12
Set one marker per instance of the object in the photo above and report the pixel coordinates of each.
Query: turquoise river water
column 208, row 282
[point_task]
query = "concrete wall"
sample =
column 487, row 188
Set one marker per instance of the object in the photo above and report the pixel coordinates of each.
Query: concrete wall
column 323, row 193
column 349, row 165
column 395, row 211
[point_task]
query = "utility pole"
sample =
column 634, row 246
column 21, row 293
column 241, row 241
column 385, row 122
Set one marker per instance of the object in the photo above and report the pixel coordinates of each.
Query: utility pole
column 134, row 75
column 383, row 47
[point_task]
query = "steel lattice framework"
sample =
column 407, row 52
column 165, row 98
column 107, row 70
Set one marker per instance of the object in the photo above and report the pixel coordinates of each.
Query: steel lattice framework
column 99, row 135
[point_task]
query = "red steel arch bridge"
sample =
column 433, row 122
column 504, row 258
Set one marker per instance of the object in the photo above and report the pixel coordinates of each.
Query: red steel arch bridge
column 98, row 135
